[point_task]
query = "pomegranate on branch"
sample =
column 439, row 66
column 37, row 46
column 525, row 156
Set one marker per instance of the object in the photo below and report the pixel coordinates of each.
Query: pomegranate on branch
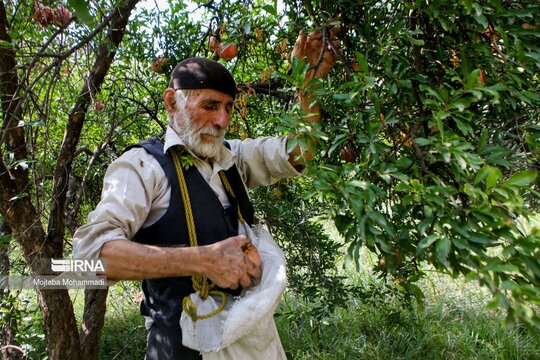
column 227, row 51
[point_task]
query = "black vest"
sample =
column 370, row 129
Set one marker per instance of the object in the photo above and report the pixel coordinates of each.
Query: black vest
column 163, row 297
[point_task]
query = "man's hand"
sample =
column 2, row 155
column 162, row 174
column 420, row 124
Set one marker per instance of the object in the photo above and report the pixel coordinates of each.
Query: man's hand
column 227, row 266
column 318, row 51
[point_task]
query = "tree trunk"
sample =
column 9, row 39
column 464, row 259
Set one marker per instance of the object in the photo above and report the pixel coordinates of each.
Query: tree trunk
column 16, row 205
column 93, row 320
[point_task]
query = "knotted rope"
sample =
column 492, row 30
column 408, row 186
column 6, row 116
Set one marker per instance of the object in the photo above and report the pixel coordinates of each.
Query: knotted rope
column 200, row 283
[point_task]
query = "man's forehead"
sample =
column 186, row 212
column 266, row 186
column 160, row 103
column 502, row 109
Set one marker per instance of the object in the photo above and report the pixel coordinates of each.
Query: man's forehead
column 212, row 95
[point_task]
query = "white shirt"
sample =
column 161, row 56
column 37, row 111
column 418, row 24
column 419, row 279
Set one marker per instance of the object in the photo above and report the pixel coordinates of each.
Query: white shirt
column 136, row 192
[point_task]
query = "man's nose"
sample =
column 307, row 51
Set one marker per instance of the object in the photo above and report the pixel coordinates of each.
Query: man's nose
column 221, row 119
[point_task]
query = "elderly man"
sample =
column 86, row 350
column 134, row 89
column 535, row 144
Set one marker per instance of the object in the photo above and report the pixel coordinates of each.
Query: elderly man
column 140, row 227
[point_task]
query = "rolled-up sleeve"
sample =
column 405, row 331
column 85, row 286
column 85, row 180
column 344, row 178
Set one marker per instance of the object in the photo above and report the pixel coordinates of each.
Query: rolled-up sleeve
column 130, row 185
column 263, row 161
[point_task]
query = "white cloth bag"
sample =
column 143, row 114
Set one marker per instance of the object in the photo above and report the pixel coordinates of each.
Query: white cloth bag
column 245, row 329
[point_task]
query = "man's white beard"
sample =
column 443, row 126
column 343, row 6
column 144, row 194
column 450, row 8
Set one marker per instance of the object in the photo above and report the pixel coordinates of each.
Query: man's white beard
column 192, row 138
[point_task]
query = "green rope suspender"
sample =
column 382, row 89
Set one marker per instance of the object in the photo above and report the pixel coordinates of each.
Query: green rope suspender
column 200, row 283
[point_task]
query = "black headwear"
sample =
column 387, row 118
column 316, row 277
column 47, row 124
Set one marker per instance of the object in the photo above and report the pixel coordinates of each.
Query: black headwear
column 202, row 73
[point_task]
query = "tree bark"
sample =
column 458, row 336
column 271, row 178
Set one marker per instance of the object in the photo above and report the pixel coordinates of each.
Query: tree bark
column 12, row 134
column 16, row 205
column 93, row 320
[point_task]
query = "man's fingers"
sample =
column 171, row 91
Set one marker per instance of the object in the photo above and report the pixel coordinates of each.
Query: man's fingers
column 254, row 271
column 316, row 35
column 242, row 240
column 333, row 31
column 300, row 41
column 245, row 281
column 299, row 46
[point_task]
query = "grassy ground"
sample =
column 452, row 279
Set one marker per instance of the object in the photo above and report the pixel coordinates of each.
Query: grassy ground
column 389, row 331
column 124, row 335
column 453, row 325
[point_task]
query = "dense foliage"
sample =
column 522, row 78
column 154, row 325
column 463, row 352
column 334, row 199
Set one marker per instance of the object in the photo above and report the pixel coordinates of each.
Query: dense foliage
column 429, row 144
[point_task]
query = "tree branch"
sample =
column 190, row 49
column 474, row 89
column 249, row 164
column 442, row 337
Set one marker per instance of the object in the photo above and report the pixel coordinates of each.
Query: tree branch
column 85, row 40
column 59, row 322
column 12, row 134
column 119, row 18
column 270, row 88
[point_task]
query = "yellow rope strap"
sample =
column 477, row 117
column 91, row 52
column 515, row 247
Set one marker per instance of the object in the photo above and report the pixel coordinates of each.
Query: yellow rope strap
column 200, row 283
column 230, row 190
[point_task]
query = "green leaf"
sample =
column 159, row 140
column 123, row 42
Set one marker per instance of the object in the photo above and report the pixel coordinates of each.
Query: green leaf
column 270, row 9
column 416, row 292
column 362, row 229
column 533, row 264
column 424, row 225
column 474, row 79
column 407, row 84
column 381, row 220
column 459, row 243
column 423, row 141
column 521, row 179
column 494, row 175
column 443, row 249
column 80, row 7
column 481, row 239
column 468, row 6
column 402, row 187
column 427, row 241
column 361, row 59
column 292, row 143
column 414, row 41
column 463, row 127
column 463, row 102
column 479, row 16
column 438, row 121
column 19, row 196
column 5, row 239
column 482, row 20
column 481, row 174
column 497, row 266
column 491, row 174
column 5, row 44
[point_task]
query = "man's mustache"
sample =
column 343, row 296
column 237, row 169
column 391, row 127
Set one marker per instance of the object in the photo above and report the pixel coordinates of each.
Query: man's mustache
column 213, row 132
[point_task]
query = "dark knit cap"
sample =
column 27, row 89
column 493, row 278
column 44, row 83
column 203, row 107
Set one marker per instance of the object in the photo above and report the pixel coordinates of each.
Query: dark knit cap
column 202, row 73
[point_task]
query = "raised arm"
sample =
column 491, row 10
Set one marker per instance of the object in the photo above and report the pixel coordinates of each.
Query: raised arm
column 320, row 55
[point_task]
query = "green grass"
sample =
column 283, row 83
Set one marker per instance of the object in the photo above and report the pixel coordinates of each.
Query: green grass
column 124, row 335
column 388, row 331
column 453, row 325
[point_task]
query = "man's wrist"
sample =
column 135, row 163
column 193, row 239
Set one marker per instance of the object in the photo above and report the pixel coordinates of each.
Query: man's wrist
column 197, row 257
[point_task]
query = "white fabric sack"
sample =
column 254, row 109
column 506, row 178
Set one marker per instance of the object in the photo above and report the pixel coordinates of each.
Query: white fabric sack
column 245, row 329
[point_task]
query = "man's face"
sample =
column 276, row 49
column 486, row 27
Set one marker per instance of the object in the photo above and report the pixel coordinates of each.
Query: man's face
column 204, row 122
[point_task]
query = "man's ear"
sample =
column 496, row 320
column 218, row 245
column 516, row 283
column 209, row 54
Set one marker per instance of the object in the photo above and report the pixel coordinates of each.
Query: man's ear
column 169, row 100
